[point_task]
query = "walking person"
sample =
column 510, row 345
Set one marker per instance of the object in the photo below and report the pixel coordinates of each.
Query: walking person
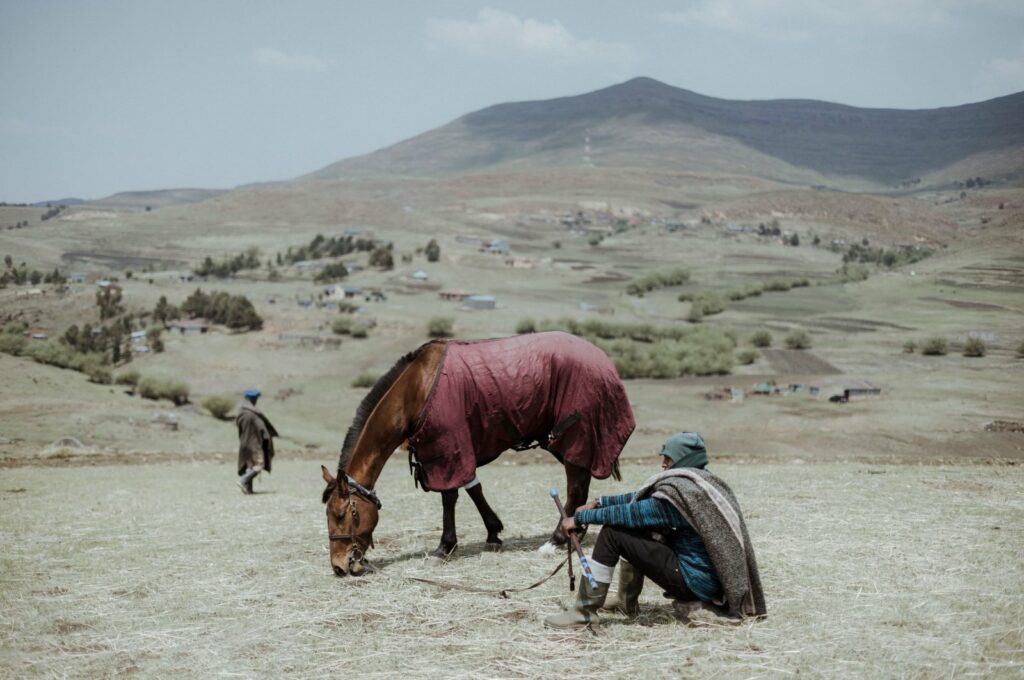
column 682, row 529
column 255, row 441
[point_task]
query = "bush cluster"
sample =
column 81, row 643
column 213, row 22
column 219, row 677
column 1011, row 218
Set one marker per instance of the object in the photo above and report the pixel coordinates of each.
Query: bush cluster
column 656, row 280
column 747, row 356
column 975, row 347
column 646, row 351
column 934, row 346
column 335, row 271
column 156, row 388
column 321, row 247
column 864, row 253
column 349, row 326
column 441, row 327
column 219, row 406
column 234, row 311
column 798, row 339
column 761, row 339
column 229, row 266
column 782, row 285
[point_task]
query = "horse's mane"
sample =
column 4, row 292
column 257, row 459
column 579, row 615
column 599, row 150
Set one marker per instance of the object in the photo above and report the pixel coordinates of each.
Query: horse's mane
column 369, row 403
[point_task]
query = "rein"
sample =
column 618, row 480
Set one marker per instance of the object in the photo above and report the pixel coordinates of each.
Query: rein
column 504, row 593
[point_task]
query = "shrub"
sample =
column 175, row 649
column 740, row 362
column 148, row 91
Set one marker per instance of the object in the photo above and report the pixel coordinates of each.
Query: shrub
column 761, row 339
column 696, row 314
column 440, row 327
column 176, row 391
column 360, row 330
column 218, row 406
column 342, row 326
column 686, row 296
column 710, row 303
column 172, row 390
column 909, row 347
column 798, row 339
column 128, row 378
column 526, row 326
column 975, row 347
column 1020, row 350
column 778, row 285
column 747, row 356
column 149, row 388
column 12, row 344
column 934, row 346
column 346, row 307
column 645, row 284
column 100, row 374
column 365, row 380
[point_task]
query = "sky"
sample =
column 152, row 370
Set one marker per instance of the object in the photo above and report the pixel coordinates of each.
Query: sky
column 102, row 96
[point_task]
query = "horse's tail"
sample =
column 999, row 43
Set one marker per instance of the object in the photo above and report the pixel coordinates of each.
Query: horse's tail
column 616, row 473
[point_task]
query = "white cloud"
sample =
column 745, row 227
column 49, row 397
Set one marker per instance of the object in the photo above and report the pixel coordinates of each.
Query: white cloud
column 497, row 33
column 794, row 20
column 295, row 61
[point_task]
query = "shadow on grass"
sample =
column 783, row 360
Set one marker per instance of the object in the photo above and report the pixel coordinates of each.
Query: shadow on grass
column 515, row 544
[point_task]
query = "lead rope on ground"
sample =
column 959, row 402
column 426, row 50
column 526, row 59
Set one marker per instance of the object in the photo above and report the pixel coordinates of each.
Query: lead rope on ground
column 504, row 593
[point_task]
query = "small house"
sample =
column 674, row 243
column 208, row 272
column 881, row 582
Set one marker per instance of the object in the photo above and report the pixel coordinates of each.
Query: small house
column 480, row 302
column 138, row 336
column 453, row 294
column 76, row 277
column 498, row 247
column 190, row 326
column 420, row 275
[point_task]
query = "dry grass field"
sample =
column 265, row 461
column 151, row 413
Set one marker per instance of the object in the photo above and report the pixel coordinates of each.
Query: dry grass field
column 166, row 570
column 888, row 529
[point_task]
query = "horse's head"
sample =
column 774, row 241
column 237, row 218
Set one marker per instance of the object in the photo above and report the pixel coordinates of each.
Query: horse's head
column 351, row 519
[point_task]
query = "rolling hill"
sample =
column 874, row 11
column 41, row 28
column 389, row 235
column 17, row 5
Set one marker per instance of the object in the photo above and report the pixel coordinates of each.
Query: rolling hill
column 646, row 123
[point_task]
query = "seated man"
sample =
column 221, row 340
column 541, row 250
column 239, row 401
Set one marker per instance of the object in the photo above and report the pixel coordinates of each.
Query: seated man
column 682, row 529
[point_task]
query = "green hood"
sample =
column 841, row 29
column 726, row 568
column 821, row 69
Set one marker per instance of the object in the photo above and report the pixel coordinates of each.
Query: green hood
column 686, row 449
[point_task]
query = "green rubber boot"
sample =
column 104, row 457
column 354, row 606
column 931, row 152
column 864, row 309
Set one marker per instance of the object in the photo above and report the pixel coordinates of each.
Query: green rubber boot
column 584, row 611
column 627, row 599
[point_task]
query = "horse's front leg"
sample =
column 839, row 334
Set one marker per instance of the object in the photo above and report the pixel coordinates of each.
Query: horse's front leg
column 448, row 538
column 491, row 521
column 577, row 482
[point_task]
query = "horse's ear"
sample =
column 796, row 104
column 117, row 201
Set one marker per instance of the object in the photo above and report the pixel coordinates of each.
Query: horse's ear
column 327, row 474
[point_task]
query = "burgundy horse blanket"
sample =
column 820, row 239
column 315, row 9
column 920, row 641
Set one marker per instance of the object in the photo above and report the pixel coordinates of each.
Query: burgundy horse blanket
column 491, row 395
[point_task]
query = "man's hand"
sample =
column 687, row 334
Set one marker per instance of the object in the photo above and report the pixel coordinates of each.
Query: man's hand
column 568, row 525
column 591, row 504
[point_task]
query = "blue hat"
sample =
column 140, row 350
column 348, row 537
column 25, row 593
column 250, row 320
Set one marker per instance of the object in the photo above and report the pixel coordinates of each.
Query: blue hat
column 252, row 393
column 686, row 449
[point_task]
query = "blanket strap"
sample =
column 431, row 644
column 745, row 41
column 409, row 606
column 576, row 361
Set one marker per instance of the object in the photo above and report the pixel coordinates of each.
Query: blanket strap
column 558, row 429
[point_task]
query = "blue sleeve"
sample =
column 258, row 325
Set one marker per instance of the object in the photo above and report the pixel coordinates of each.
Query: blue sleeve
column 616, row 500
column 650, row 513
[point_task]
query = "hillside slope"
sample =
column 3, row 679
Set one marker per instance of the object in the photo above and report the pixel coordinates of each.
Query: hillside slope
column 646, row 123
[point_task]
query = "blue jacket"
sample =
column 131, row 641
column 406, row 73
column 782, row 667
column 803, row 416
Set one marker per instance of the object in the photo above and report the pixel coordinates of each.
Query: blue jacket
column 655, row 514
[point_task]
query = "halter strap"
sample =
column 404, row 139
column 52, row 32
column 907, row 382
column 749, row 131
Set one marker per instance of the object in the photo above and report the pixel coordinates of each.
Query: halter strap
column 368, row 494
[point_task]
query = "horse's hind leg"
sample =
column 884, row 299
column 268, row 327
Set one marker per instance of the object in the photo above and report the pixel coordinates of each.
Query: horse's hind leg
column 494, row 526
column 448, row 537
column 577, row 481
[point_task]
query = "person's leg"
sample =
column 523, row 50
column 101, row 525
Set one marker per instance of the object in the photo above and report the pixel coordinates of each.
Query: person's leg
column 649, row 557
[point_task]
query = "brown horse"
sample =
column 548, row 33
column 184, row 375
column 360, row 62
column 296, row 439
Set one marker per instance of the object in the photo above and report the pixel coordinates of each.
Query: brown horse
column 460, row 404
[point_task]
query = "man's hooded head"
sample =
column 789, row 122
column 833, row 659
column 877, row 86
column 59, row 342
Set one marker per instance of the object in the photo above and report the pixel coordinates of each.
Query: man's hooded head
column 685, row 450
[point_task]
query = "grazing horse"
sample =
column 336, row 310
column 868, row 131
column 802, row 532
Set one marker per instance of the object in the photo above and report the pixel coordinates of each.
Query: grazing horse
column 459, row 405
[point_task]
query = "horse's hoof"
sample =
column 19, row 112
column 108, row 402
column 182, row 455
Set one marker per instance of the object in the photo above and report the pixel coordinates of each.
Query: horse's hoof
column 549, row 549
column 494, row 547
column 440, row 556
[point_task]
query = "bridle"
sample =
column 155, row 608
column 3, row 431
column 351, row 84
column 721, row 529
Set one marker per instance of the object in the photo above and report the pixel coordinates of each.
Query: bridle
column 358, row 553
